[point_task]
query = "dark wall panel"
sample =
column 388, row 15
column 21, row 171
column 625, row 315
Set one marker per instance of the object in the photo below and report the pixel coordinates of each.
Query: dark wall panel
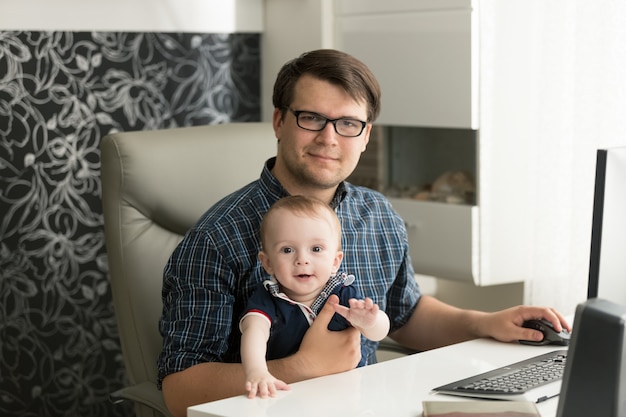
column 60, row 93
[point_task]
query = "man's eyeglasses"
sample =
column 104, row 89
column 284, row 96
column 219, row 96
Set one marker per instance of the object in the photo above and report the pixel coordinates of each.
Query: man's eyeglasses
column 315, row 122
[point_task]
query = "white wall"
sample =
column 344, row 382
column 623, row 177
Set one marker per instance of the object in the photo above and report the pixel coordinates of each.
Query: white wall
column 134, row 15
column 291, row 28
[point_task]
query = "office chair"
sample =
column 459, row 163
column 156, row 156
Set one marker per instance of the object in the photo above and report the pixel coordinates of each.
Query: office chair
column 155, row 185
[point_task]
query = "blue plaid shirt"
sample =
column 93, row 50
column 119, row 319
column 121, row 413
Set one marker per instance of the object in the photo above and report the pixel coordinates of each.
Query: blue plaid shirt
column 211, row 274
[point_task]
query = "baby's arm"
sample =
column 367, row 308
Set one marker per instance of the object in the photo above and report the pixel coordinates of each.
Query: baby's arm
column 365, row 315
column 255, row 332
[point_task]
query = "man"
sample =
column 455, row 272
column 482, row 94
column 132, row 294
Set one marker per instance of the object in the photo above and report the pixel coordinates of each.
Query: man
column 325, row 102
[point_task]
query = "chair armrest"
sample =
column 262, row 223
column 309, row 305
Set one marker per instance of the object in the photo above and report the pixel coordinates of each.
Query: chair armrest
column 145, row 393
column 388, row 344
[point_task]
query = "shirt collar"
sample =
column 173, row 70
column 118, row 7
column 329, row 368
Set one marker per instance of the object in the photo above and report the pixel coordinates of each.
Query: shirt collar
column 273, row 187
column 273, row 287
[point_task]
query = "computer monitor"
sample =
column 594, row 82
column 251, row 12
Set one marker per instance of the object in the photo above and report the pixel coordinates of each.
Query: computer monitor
column 607, row 266
column 594, row 382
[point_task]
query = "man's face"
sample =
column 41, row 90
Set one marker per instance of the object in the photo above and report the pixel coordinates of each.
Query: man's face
column 314, row 161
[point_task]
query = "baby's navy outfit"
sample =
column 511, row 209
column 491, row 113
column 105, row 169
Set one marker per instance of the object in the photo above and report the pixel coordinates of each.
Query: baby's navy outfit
column 289, row 320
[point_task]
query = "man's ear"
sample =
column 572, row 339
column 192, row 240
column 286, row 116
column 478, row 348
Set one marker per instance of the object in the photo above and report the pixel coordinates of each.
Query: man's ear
column 277, row 122
column 267, row 264
column 366, row 138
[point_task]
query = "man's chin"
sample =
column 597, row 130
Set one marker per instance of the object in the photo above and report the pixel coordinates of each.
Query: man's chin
column 325, row 185
column 317, row 179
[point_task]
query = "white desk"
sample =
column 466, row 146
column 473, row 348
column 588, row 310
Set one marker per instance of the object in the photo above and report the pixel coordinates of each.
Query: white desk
column 393, row 388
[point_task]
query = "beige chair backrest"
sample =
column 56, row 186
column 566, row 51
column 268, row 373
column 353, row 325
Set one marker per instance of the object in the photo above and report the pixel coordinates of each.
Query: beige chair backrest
column 155, row 186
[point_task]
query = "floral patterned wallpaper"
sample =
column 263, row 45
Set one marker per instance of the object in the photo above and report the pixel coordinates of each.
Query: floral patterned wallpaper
column 60, row 93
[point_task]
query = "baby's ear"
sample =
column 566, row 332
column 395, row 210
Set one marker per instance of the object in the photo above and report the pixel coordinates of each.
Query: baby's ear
column 337, row 261
column 267, row 264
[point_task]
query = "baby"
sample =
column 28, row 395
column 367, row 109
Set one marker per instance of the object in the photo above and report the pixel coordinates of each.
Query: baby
column 301, row 251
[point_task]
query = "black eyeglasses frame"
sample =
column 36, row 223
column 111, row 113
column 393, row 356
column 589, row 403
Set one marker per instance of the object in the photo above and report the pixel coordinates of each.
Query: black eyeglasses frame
column 333, row 121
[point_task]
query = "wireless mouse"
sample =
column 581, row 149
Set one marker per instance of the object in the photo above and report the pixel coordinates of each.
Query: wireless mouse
column 550, row 336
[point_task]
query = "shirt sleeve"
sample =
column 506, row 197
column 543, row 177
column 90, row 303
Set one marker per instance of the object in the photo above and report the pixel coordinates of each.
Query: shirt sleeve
column 403, row 296
column 260, row 304
column 197, row 314
column 404, row 292
column 378, row 254
column 345, row 293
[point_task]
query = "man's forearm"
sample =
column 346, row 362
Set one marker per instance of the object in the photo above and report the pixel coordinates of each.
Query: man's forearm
column 215, row 380
column 435, row 324
column 202, row 383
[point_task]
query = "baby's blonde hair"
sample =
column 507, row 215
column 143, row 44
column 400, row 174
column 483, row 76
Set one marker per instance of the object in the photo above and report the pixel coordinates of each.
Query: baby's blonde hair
column 305, row 207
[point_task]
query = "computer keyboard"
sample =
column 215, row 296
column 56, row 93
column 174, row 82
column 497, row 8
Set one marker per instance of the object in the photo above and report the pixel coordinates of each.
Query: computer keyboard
column 535, row 379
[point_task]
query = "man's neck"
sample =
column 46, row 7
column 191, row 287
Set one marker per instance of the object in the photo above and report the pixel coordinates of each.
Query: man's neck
column 293, row 188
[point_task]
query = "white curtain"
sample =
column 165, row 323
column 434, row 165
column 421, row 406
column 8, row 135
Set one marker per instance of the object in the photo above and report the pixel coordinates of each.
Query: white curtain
column 574, row 102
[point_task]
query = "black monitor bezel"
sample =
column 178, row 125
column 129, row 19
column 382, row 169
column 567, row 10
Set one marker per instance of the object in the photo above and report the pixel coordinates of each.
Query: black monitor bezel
column 596, row 224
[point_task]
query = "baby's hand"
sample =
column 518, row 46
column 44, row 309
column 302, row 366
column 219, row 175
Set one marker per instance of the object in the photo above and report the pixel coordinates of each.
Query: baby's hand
column 361, row 313
column 264, row 384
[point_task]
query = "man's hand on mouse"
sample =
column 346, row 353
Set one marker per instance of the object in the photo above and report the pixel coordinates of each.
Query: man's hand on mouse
column 507, row 325
column 549, row 335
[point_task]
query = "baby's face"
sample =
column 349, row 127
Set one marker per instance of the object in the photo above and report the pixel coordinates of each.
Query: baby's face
column 301, row 252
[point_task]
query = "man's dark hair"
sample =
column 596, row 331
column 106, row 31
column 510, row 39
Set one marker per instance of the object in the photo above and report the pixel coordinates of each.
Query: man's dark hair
column 335, row 67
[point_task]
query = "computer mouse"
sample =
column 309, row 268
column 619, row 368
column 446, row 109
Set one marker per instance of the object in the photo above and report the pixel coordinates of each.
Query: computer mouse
column 550, row 336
